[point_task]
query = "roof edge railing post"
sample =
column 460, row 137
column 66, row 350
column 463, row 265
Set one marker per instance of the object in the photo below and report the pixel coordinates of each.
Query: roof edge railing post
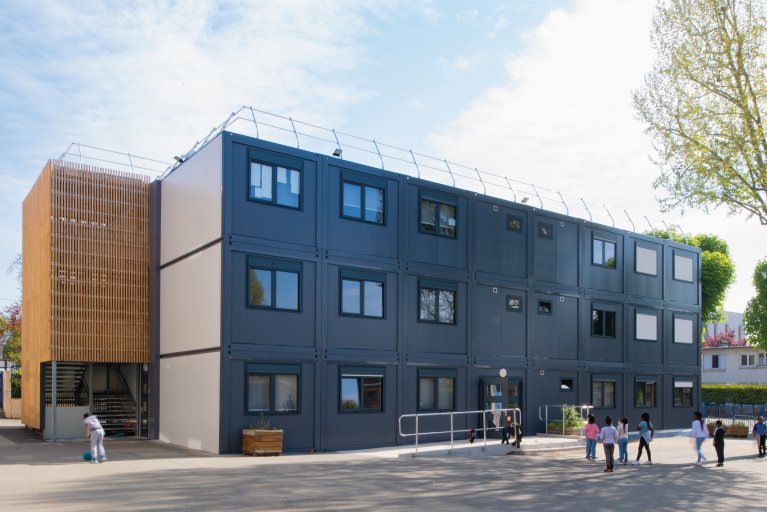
column 341, row 155
column 450, row 171
column 652, row 228
column 511, row 188
column 479, row 175
column 295, row 132
column 591, row 218
column 417, row 169
column 633, row 227
column 540, row 199
column 609, row 214
column 378, row 150
column 253, row 114
column 567, row 210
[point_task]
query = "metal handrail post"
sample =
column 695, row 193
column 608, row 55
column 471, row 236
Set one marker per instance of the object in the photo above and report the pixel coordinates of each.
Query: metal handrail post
column 416, row 436
column 451, row 432
column 484, row 430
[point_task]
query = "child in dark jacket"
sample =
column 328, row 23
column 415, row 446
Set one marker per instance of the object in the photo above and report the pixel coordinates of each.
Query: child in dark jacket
column 719, row 443
column 760, row 432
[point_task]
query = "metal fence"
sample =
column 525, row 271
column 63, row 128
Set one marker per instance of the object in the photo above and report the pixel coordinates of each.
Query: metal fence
column 733, row 414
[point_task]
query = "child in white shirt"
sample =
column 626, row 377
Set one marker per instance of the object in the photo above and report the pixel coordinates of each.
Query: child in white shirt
column 609, row 436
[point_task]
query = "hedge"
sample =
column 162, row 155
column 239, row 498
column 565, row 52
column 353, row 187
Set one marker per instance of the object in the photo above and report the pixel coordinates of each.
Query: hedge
column 734, row 393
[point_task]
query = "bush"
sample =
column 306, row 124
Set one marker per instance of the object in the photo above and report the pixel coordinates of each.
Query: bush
column 15, row 383
column 734, row 393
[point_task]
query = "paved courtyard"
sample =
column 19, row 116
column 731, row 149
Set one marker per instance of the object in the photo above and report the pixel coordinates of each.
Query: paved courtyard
column 149, row 475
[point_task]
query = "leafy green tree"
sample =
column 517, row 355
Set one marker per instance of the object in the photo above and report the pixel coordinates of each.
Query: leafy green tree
column 755, row 315
column 703, row 102
column 10, row 333
column 717, row 271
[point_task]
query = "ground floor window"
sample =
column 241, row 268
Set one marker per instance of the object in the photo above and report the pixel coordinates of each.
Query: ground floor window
column 682, row 393
column 645, row 392
column 603, row 392
column 272, row 388
column 436, row 390
column 361, row 389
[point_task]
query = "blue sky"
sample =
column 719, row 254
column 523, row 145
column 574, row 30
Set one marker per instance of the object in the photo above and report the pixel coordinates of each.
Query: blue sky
column 535, row 90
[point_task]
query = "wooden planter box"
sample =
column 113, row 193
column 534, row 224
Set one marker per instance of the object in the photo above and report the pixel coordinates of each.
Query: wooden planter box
column 261, row 442
column 731, row 431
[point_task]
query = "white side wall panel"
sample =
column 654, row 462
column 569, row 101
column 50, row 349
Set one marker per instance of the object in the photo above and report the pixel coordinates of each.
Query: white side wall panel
column 189, row 401
column 190, row 303
column 191, row 203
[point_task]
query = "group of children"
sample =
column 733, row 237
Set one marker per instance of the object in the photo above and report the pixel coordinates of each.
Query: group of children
column 610, row 436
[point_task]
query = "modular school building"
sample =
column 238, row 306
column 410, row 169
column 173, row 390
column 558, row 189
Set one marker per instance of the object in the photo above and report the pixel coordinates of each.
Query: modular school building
column 333, row 297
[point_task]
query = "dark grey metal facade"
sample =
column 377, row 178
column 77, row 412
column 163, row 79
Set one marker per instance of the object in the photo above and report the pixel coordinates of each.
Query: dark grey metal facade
column 486, row 264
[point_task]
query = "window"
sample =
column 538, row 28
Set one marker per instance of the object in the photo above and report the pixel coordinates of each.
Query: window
column 514, row 223
column 567, row 384
column 513, row 303
column 362, row 293
column 748, row 359
column 646, row 261
column 603, row 253
column 682, row 268
column 683, row 329
column 545, row 230
column 646, row 326
column 603, row 392
column 438, row 216
column 544, row 307
column 717, row 362
column 272, row 388
column 645, row 392
column 361, row 389
column 275, row 184
column 682, row 393
column 274, row 284
column 436, row 302
column 436, row 390
column 362, row 202
column 603, row 323
column 761, row 359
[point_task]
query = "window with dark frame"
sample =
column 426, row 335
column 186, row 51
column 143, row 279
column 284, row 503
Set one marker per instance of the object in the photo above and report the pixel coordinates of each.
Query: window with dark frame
column 603, row 322
column 603, row 393
column 603, row 253
column 274, row 184
column 682, row 393
column 438, row 218
column 436, row 303
column 362, row 294
column 545, row 307
column 361, row 390
column 274, row 284
column 545, row 230
column 714, row 362
column 436, row 390
column 514, row 223
column 272, row 388
column 363, row 202
column 567, row 384
column 645, row 392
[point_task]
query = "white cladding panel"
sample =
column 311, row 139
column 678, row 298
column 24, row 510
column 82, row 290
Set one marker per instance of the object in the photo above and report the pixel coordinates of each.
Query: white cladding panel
column 683, row 330
column 646, row 326
column 190, row 302
column 189, row 401
column 190, row 206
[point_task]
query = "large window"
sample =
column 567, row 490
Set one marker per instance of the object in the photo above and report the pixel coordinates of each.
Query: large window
column 273, row 388
column 436, row 301
column 436, row 390
column 683, row 329
column 645, row 392
column 273, row 283
column 275, row 184
column 438, row 216
column 603, row 253
column 683, row 268
column 603, row 322
column 361, row 389
column 363, row 201
column 603, row 392
column 646, row 326
column 682, row 393
column 646, row 261
column 362, row 293
column 748, row 359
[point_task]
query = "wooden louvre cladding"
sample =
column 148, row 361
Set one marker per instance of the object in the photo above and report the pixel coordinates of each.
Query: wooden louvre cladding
column 85, row 270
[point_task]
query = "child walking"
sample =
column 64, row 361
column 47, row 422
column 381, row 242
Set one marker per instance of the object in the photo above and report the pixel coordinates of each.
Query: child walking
column 623, row 441
column 646, row 433
column 760, row 431
column 592, row 429
column 719, row 443
column 700, row 433
column 609, row 436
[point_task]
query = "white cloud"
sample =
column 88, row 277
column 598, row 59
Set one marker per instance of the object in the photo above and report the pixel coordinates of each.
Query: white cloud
column 564, row 120
column 458, row 64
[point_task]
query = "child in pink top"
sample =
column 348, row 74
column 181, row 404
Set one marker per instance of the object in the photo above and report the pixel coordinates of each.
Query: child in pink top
column 592, row 429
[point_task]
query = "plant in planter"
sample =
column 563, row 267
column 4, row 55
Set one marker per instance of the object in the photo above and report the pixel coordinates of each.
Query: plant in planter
column 570, row 424
column 737, row 429
column 262, row 438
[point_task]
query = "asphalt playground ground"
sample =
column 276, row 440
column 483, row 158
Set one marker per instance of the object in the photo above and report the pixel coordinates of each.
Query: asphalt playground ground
column 150, row 475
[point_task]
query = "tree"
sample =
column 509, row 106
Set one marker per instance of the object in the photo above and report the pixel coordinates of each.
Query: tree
column 755, row 315
column 703, row 103
column 10, row 333
column 717, row 271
